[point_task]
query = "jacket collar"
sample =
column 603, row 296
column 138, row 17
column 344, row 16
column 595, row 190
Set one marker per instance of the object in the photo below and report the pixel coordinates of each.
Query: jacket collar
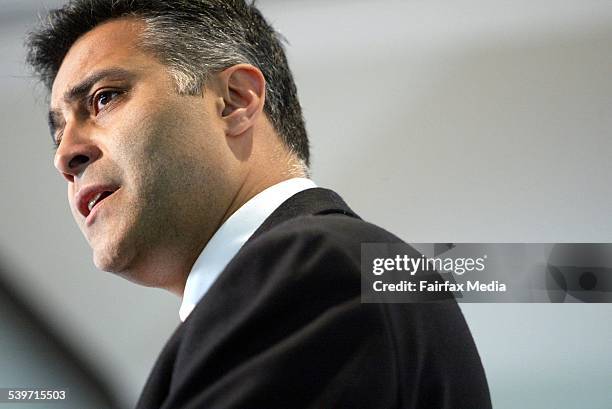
column 315, row 201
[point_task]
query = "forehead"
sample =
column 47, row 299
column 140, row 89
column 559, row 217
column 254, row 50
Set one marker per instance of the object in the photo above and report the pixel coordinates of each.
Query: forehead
column 114, row 43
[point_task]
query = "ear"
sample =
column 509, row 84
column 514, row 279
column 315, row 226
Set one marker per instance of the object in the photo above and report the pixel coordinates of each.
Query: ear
column 243, row 89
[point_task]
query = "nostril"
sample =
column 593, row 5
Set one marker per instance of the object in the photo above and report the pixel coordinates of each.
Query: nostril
column 77, row 161
column 68, row 177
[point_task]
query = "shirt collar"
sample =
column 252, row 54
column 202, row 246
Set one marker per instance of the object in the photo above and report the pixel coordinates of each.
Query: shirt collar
column 232, row 235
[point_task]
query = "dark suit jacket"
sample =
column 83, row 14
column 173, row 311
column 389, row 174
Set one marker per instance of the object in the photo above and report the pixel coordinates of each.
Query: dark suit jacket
column 283, row 327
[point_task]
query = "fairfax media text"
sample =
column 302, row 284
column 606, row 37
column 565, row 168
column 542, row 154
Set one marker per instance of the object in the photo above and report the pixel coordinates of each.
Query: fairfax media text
column 437, row 286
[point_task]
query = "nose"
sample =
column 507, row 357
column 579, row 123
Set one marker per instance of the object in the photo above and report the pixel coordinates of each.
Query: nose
column 75, row 152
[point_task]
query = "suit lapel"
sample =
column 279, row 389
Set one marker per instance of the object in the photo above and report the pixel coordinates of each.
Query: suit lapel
column 158, row 384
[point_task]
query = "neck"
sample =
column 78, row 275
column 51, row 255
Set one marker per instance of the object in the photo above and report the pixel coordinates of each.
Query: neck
column 261, row 172
column 260, row 177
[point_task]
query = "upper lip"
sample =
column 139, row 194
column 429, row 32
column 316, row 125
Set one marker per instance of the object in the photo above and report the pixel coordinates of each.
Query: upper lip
column 86, row 193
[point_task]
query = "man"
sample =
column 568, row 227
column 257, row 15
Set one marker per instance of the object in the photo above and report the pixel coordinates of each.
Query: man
column 180, row 135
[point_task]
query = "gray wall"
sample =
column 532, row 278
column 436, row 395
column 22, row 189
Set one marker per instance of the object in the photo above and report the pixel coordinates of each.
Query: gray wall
column 443, row 122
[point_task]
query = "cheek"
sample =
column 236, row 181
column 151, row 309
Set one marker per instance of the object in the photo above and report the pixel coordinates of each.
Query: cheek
column 152, row 144
column 162, row 146
column 141, row 134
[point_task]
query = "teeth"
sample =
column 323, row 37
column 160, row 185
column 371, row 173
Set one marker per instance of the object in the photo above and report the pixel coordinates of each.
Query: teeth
column 93, row 201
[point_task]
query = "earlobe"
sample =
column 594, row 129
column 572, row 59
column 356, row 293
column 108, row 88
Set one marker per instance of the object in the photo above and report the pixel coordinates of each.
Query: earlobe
column 243, row 91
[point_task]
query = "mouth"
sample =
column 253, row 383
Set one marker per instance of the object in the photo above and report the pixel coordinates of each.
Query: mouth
column 89, row 198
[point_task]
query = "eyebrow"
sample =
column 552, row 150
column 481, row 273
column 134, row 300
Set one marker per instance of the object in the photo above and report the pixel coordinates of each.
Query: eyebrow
column 80, row 90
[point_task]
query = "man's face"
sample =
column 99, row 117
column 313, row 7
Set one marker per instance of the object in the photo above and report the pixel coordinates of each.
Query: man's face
column 157, row 162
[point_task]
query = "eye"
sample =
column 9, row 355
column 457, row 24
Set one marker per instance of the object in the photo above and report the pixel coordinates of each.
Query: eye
column 103, row 98
column 57, row 139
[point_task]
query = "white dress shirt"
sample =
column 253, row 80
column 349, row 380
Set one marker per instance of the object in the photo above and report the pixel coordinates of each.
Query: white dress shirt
column 231, row 236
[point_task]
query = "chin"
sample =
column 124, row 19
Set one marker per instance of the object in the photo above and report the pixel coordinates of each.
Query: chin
column 112, row 260
column 106, row 264
column 122, row 264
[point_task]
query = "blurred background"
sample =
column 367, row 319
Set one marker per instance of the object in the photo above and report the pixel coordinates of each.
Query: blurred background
column 472, row 121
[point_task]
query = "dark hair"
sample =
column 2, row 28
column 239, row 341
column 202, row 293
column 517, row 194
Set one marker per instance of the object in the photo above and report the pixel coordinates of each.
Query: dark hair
column 194, row 38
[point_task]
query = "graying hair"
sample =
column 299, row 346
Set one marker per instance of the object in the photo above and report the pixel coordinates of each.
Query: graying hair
column 194, row 39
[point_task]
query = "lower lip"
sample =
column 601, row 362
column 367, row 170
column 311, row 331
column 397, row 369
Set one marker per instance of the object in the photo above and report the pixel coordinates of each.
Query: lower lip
column 91, row 217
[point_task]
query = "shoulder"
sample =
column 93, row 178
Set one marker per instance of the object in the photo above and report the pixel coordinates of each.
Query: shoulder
column 334, row 225
column 294, row 292
column 330, row 233
column 295, row 273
